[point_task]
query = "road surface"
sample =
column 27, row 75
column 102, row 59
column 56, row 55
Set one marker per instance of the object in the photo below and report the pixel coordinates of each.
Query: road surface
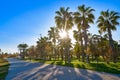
column 22, row 70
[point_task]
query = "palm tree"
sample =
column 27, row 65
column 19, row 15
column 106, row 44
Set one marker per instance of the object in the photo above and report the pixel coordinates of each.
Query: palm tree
column 61, row 47
column 31, row 51
column 107, row 21
column 77, row 50
column 53, row 36
column 64, row 21
column 78, row 37
column 83, row 17
column 48, row 49
column 22, row 48
column 95, row 40
column 41, row 45
column 0, row 51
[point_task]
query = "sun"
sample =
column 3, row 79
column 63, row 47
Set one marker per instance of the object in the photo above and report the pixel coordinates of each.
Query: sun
column 63, row 34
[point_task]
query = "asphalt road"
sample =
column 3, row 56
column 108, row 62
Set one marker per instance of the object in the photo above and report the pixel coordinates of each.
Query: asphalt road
column 22, row 70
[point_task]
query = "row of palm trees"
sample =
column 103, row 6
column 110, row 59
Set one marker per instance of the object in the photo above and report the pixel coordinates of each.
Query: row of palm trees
column 87, row 45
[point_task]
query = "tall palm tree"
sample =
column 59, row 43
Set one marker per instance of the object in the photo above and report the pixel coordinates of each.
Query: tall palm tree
column 107, row 21
column 64, row 21
column 83, row 17
column 53, row 36
column 22, row 48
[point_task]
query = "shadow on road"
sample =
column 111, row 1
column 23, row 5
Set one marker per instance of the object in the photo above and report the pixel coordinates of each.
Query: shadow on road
column 21, row 70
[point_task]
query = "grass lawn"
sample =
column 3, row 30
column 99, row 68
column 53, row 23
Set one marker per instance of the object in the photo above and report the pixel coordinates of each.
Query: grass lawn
column 101, row 66
column 4, row 65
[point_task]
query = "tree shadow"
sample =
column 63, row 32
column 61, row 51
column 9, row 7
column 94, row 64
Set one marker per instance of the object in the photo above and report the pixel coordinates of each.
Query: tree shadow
column 41, row 71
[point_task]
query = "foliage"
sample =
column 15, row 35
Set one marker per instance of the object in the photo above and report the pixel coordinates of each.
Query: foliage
column 107, row 21
column 23, row 49
column 4, row 65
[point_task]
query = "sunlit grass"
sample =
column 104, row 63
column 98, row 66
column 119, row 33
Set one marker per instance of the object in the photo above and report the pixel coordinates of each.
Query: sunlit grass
column 101, row 66
column 4, row 65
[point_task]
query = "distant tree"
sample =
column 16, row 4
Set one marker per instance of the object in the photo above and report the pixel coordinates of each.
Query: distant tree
column 105, row 51
column 77, row 50
column 95, row 40
column 53, row 36
column 31, row 52
column 43, row 47
column 78, row 35
column 22, row 48
column 61, row 48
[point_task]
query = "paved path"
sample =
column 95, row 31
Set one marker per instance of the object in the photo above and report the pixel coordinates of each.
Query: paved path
column 21, row 70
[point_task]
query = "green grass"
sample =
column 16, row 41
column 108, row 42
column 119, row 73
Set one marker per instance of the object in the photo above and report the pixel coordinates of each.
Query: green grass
column 101, row 66
column 4, row 65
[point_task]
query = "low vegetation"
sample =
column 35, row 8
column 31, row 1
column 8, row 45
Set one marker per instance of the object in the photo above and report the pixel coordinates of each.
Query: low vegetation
column 4, row 65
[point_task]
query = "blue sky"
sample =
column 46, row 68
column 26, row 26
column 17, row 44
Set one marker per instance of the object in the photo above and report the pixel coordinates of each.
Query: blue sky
column 22, row 21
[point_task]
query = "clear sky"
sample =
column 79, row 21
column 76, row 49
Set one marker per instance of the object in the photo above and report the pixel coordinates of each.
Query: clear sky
column 22, row 21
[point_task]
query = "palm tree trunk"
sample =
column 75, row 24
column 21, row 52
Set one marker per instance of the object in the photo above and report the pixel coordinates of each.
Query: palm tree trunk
column 111, row 44
column 67, row 49
column 68, row 56
column 61, row 51
column 85, row 38
column 54, row 50
column 65, row 55
column 82, row 51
